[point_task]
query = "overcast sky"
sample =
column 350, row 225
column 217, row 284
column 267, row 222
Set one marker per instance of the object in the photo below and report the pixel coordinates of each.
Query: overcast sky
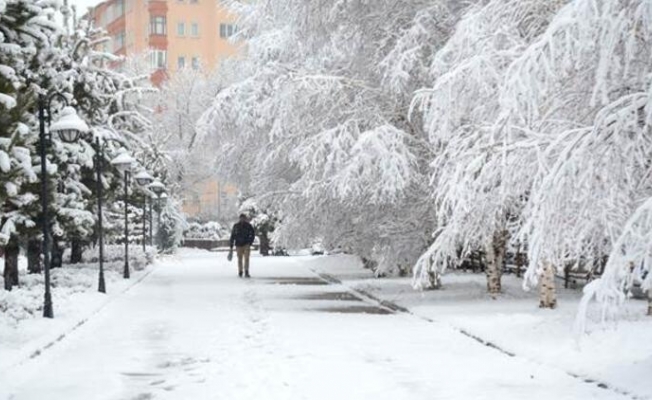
column 82, row 5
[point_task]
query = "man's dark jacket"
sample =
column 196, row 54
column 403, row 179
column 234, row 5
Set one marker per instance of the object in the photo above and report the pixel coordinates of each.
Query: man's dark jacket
column 242, row 234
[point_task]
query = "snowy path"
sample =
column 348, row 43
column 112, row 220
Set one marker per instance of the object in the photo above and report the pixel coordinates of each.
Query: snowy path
column 193, row 330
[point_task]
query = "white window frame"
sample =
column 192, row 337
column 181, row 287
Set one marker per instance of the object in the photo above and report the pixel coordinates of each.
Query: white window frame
column 158, row 58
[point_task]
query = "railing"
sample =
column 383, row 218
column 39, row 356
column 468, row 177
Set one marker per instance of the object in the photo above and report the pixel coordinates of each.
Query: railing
column 206, row 244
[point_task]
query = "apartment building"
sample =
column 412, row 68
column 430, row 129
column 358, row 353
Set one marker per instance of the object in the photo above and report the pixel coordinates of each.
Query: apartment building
column 212, row 200
column 175, row 33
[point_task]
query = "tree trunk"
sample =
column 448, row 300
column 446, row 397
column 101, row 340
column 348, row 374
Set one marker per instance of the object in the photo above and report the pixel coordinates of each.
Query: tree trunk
column 34, row 265
column 547, row 294
column 56, row 258
column 519, row 259
column 11, row 264
column 76, row 251
column 435, row 280
column 495, row 257
column 264, row 243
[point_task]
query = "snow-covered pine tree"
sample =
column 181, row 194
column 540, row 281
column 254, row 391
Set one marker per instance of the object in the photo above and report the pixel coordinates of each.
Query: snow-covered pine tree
column 25, row 37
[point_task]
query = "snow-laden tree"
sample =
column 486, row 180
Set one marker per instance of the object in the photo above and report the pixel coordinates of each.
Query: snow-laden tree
column 264, row 221
column 477, row 194
column 40, row 57
column 181, row 101
column 24, row 34
column 577, row 106
column 25, row 37
column 110, row 102
column 314, row 120
column 173, row 224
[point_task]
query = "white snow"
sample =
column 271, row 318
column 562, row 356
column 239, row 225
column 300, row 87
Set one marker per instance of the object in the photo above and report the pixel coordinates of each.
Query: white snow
column 7, row 101
column 23, row 331
column 5, row 162
column 193, row 330
column 123, row 160
column 69, row 120
column 616, row 352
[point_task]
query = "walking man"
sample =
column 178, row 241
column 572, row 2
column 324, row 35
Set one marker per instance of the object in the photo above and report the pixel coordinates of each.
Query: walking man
column 242, row 235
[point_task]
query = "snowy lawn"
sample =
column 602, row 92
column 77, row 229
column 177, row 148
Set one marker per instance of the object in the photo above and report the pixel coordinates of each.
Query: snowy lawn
column 616, row 352
column 23, row 330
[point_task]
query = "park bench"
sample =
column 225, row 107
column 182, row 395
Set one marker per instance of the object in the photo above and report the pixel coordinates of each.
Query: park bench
column 577, row 272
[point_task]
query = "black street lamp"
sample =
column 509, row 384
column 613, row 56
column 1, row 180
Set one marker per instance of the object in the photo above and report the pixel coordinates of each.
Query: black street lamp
column 162, row 198
column 151, row 223
column 158, row 188
column 123, row 163
column 143, row 178
column 99, row 162
column 69, row 127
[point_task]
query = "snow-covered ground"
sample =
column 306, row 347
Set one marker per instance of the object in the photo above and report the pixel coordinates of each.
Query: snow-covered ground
column 193, row 330
column 24, row 333
column 616, row 352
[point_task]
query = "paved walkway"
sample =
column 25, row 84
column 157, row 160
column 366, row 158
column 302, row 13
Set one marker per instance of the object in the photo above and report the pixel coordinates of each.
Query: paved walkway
column 193, row 330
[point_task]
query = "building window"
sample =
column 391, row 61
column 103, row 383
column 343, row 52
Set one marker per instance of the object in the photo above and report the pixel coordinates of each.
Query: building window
column 119, row 8
column 181, row 62
column 194, row 29
column 158, row 58
column 195, row 63
column 157, row 26
column 114, row 11
column 181, row 29
column 119, row 41
column 227, row 30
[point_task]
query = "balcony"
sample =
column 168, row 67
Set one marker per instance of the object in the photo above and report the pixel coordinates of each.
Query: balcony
column 157, row 7
column 159, row 42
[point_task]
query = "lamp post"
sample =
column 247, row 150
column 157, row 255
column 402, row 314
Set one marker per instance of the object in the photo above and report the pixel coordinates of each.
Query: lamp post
column 99, row 165
column 69, row 127
column 162, row 198
column 123, row 163
column 158, row 188
column 143, row 178
column 151, row 223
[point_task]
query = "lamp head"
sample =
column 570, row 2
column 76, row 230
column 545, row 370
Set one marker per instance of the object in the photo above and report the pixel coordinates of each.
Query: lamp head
column 123, row 162
column 69, row 127
column 157, row 187
column 143, row 178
